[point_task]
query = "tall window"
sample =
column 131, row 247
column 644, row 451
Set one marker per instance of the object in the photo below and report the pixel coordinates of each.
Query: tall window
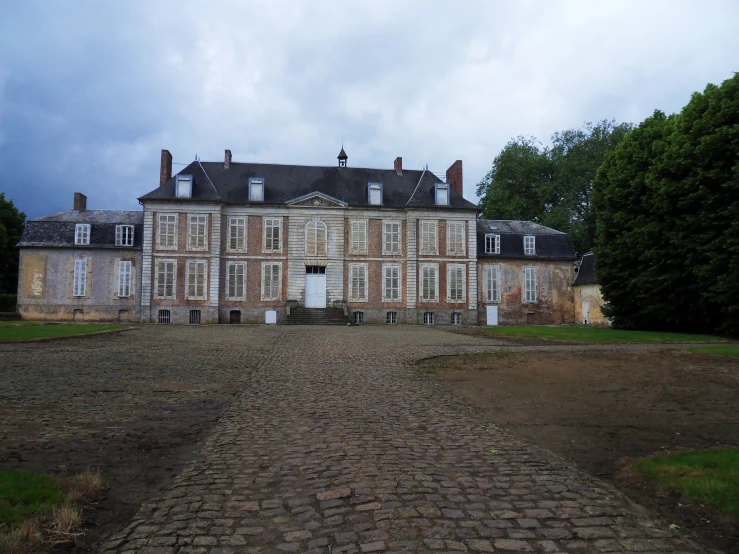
column 237, row 233
column 167, row 232
column 124, row 235
column 315, row 239
column 124, row 278
column 358, row 282
column 492, row 244
column 197, row 234
column 529, row 284
column 391, row 283
column 455, row 283
column 236, row 286
column 272, row 233
column 82, row 233
column 358, row 242
column 529, row 245
column 164, row 279
column 271, row 281
column 429, row 242
column 492, row 284
column 196, row 277
column 430, row 283
column 391, row 238
column 79, row 280
column 455, row 238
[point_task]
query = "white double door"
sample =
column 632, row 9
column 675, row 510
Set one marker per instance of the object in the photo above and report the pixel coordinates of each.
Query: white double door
column 315, row 290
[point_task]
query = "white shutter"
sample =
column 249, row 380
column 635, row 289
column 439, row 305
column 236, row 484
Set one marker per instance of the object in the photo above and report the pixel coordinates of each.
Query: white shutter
column 530, row 285
column 455, row 283
column 118, row 235
column 358, row 237
column 272, row 234
column 428, row 238
column 455, row 238
column 391, row 238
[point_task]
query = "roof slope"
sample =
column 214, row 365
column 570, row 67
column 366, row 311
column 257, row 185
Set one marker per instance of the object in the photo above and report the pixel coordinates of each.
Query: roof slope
column 550, row 243
column 287, row 182
column 57, row 230
column 586, row 273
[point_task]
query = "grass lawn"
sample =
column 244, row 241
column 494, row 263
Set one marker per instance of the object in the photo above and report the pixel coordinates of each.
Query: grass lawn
column 601, row 335
column 33, row 330
column 24, row 494
column 710, row 477
column 732, row 351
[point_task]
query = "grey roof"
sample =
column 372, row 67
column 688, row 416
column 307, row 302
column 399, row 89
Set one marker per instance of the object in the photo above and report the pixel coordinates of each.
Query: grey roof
column 550, row 243
column 586, row 273
column 412, row 189
column 57, row 230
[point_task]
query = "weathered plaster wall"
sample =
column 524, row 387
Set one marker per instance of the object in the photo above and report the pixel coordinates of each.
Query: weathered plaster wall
column 589, row 293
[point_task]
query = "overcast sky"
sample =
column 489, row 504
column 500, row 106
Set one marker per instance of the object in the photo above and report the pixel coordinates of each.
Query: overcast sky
column 91, row 91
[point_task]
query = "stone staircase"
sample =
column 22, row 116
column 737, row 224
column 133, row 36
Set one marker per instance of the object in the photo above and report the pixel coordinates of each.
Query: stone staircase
column 316, row 316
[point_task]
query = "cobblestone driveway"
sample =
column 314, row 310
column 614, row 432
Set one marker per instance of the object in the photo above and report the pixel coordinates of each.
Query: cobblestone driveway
column 336, row 444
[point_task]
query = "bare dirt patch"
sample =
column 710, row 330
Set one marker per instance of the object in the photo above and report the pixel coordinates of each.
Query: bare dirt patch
column 594, row 408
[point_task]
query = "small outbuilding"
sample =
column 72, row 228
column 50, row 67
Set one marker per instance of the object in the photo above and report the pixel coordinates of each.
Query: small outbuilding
column 588, row 300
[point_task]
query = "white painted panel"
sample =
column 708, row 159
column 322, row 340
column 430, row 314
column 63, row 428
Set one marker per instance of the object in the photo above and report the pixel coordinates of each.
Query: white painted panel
column 492, row 315
column 315, row 291
column 586, row 311
column 270, row 317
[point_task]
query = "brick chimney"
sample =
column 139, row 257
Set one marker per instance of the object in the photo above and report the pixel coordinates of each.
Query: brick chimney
column 80, row 202
column 454, row 177
column 227, row 160
column 165, row 169
column 398, row 165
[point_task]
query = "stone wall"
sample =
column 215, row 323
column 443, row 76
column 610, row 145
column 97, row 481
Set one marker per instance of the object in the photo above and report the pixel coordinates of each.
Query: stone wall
column 589, row 293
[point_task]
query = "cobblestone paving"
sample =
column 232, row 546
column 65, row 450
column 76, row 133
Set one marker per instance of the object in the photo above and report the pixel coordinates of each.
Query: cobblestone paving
column 336, row 444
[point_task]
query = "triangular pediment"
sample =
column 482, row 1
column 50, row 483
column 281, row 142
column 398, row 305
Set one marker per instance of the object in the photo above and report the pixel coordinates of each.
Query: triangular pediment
column 316, row 200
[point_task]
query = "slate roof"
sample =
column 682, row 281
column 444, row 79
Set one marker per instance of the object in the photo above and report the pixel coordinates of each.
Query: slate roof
column 550, row 243
column 57, row 230
column 214, row 183
column 586, row 273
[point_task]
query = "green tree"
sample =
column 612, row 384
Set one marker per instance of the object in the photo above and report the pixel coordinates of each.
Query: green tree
column 551, row 185
column 12, row 222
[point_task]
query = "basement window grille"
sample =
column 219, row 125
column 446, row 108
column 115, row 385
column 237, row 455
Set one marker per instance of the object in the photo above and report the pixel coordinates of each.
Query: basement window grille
column 165, row 316
column 456, row 318
column 392, row 318
column 428, row 318
column 358, row 318
column 194, row 317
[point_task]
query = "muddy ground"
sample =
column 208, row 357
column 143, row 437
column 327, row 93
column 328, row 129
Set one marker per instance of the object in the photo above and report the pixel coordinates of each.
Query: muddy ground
column 596, row 408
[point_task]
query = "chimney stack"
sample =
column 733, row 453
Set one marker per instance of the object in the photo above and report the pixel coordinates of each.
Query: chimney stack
column 227, row 160
column 165, row 169
column 80, row 202
column 454, row 177
column 398, row 165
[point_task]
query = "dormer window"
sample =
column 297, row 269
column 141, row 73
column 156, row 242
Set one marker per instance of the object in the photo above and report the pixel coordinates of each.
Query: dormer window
column 529, row 245
column 375, row 194
column 492, row 244
column 256, row 189
column 441, row 194
column 184, row 186
column 124, row 235
column 82, row 233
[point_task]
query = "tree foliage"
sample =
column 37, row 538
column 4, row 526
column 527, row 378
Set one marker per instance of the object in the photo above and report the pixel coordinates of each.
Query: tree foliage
column 667, row 204
column 551, row 185
column 12, row 222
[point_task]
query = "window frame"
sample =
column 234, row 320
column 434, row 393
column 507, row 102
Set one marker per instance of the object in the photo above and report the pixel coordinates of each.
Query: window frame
column 435, row 268
column 256, row 181
column 529, row 251
column 428, row 318
column 456, row 268
column 460, row 225
column 264, row 297
column 234, row 225
column 528, row 293
column 228, row 294
column 364, row 294
column 489, row 297
column 180, row 179
column 124, row 235
column 496, row 243
column 157, row 274
column 385, row 296
column 374, row 186
column 458, row 317
column 385, row 233
column 391, row 317
column 434, row 251
column 279, row 235
column 125, row 289
column 318, row 225
column 358, row 317
column 358, row 245
column 174, row 223
column 82, row 234
column 79, row 278
column 442, row 187
column 193, row 219
column 195, row 296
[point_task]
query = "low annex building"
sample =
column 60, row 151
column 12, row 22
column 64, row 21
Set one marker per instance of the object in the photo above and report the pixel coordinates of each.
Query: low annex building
column 588, row 299
column 229, row 242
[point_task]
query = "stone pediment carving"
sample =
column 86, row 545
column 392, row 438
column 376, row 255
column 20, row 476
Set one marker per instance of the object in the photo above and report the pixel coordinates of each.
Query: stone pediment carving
column 316, row 200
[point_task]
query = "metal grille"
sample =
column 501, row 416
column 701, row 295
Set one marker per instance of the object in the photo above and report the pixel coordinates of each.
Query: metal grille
column 428, row 318
column 195, row 317
column 456, row 318
column 392, row 318
column 164, row 316
column 358, row 318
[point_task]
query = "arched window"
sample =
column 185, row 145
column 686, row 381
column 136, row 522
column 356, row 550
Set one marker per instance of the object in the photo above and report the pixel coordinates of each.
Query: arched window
column 315, row 239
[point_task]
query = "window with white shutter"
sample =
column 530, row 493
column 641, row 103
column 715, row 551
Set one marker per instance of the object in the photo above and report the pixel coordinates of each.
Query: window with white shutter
column 124, row 278
column 315, row 239
column 272, row 234
column 79, row 279
column 530, row 284
column 236, row 234
column 236, row 285
column 529, row 245
column 167, row 232
column 455, row 238
column 197, row 234
column 271, row 281
column 429, row 244
column 358, row 238
column 391, row 238
column 492, row 244
column 82, row 234
column 358, row 282
column 124, row 235
column 455, row 283
column 492, row 284
column 195, row 279
column 391, row 283
column 430, row 283
column 164, row 279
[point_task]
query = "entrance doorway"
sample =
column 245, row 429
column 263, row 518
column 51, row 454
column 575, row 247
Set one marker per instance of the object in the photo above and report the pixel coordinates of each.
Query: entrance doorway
column 315, row 286
column 586, row 312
